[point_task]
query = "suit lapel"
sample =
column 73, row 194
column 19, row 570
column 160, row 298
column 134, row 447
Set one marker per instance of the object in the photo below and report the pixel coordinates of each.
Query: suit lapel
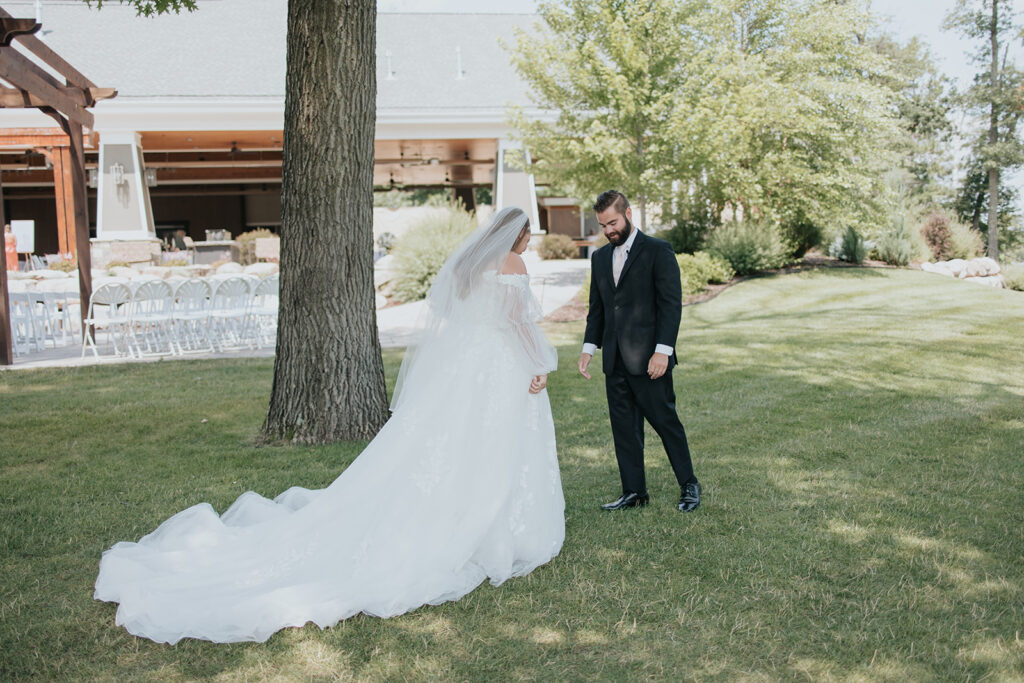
column 634, row 251
column 606, row 265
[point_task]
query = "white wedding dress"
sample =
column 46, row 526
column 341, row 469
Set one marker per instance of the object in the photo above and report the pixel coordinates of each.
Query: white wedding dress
column 460, row 485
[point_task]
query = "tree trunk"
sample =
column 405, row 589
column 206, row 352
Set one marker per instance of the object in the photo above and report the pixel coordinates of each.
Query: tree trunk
column 993, row 138
column 328, row 371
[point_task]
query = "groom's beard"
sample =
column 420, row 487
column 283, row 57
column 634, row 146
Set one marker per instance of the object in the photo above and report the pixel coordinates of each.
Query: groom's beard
column 619, row 237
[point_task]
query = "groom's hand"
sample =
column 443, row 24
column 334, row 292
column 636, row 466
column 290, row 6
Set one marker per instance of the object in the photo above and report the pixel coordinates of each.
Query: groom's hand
column 584, row 364
column 657, row 366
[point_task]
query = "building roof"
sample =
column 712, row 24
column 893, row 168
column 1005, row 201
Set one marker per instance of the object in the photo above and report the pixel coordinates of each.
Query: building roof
column 236, row 49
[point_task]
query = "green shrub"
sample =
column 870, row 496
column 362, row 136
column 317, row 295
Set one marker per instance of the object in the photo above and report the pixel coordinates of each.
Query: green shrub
column 685, row 236
column 557, row 247
column 748, row 246
column 852, row 248
column 938, row 236
column 895, row 246
column 800, row 236
column 64, row 265
column 698, row 270
column 423, row 249
column 964, row 242
column 1013, row 278
column 247, row 244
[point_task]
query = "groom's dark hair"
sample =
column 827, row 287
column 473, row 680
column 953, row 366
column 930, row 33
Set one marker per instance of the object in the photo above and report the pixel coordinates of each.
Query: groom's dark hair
column 611, row 198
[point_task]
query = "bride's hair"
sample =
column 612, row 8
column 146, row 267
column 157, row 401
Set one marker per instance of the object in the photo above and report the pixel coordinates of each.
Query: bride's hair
column 462, row 275
column 485, row 249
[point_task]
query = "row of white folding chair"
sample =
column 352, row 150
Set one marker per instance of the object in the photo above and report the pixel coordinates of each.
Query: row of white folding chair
column 193, row 315
column 38, row 318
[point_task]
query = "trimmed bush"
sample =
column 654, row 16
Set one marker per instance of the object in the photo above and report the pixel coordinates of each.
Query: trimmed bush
column 947, row 238
column 697, row 271
column 685, row 236
column 800, row 236
column 852, row 248
column 423, row 249
column 895, row 246
column 965, row 242
column 554, row 247
column 1013, row 278
column 938, row 236
column 748, row 246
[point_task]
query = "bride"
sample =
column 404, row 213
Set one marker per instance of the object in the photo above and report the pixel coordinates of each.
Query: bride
column 460, row 485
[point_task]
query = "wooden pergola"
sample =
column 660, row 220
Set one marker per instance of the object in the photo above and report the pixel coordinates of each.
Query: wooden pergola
column 24, row 83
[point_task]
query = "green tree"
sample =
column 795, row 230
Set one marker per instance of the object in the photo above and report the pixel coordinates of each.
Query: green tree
column 923, row 102
column 995, row 97
column 613, row 71
column 328, row 371
column 760, row 108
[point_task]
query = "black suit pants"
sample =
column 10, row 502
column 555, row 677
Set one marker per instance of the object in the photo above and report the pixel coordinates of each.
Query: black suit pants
column 631, row 399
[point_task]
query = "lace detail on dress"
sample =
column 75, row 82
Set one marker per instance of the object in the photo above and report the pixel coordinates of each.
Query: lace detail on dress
column 519, row 279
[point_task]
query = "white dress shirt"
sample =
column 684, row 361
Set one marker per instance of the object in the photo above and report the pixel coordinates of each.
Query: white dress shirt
column 589, row 348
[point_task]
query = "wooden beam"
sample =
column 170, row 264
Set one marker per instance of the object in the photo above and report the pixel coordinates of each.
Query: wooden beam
column 51, row 58
column 63, row 187
column 17, row 70
column 80, row 199
column 13, row 98
column 29, row 138
column 11, row 28
column 6, row 348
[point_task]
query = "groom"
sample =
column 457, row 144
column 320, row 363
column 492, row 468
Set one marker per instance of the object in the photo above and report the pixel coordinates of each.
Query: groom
column 635, row 306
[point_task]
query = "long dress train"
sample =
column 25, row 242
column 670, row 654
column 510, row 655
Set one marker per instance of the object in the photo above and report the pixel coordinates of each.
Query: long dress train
column 460, row 485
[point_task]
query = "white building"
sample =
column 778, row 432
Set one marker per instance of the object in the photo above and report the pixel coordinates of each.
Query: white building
column 193, row 139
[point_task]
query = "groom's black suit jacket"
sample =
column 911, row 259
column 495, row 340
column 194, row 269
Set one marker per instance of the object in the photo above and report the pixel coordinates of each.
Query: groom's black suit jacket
column 642, row 311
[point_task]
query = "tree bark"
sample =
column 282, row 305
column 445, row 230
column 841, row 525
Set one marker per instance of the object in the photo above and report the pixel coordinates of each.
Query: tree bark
column 993, row 138
column 328, row 372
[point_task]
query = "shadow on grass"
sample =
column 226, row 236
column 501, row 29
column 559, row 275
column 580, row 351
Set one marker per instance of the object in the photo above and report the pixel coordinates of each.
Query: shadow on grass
column 861, row 516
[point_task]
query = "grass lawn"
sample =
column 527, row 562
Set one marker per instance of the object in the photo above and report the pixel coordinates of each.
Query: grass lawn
column 859, row 434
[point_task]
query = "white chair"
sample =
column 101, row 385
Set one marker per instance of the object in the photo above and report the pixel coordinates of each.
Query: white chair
column 229, row 312
column 110, row 307
column 24, row 329
column 151, row 319
column 263, row 311
column 190, row 316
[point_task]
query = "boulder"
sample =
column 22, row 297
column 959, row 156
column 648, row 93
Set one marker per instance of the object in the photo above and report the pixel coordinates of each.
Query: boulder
column 990, row 280
column 986, row 265
column 957, row 266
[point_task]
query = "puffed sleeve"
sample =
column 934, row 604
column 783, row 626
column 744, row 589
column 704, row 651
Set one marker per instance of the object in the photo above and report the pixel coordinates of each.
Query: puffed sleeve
column 522, row 313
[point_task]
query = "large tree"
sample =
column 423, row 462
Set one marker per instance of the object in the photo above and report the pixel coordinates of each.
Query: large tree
column 995, row 97
column 765, row 107
column 614, row 73
column 328, row 372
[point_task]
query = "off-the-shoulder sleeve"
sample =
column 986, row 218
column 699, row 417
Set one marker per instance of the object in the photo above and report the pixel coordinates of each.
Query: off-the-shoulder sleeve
column 522, row 312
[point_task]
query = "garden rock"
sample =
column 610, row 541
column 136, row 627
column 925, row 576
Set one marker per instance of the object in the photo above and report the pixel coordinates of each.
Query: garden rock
column 981, row 270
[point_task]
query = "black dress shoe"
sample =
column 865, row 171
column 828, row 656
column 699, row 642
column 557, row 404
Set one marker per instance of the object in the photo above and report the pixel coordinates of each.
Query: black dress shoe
column 690, row 499
column 628, row 500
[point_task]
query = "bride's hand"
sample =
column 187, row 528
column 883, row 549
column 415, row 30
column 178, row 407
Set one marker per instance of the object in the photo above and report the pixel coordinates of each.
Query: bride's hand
column 538, row 383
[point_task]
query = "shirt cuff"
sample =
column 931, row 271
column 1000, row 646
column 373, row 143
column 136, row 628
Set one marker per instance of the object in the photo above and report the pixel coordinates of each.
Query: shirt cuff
column 663, row 348
column 589, row 348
